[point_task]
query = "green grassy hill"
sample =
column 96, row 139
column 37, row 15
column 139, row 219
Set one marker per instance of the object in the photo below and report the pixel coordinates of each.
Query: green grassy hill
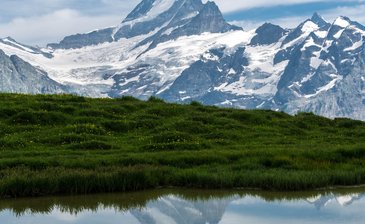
column 74, row 145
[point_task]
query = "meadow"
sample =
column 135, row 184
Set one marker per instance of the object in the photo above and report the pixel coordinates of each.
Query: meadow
column 64, row 144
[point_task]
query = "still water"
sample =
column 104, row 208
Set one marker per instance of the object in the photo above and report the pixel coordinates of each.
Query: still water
column 190, row 207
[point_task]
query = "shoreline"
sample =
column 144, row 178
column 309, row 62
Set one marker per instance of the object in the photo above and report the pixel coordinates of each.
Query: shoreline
column 198, row 192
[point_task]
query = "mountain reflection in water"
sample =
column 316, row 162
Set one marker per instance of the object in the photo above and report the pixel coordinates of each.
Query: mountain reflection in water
column 190, row 207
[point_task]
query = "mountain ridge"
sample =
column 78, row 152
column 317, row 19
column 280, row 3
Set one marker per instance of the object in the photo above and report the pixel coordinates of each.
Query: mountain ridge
column 186, row 51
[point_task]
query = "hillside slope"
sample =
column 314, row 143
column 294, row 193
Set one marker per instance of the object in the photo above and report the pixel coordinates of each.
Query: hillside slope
column 61, row 144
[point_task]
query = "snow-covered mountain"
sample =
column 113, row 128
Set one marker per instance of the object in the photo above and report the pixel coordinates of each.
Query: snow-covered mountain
column 173, row 209
column 321, row 201
column 184, row 50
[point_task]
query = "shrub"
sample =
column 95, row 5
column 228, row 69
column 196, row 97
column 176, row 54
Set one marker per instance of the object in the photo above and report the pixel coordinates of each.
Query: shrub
column 119, row 126
column 38, row 118
column 313, row 120
column 46, row 106
column 128, row 99
column 8, row 112
column 116, row 110
column 95, row 113
column 163, row 112
column 175, row 146
column 192, row 127
column 278, row 162
column 348, row 123
column 11, row 143
column 356, row 152
column 154, row 99
column 171, row 137
column 64, row 139
column 148, row 122
column 62, row 98
column 248, row 117
column 85, row 129
column 91, row 145
column 195, row 104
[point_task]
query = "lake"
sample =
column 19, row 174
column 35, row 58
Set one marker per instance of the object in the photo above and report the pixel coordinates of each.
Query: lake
column 190, row 207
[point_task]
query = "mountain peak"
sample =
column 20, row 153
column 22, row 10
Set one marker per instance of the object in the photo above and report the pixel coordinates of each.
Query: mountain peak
column 316, row 16
column 342, row 21
column 149, row 9
column 192, row 18
column 211, row 4
column 150, row 15
column 141, row 9
column 210, row 19
column 319, row 20
column 211, row 8
column 267, row 34
column 8, row 38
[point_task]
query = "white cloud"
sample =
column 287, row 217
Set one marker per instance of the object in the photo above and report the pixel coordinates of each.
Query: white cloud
column 234, row 5
column 38, row 22
column 355, row 14
column 54, row 26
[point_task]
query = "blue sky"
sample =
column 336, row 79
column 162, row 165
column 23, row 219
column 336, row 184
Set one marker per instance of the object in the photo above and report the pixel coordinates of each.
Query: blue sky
column 38, row 22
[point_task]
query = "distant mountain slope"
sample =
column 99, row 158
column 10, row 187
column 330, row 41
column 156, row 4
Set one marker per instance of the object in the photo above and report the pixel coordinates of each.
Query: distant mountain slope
column 184, row 50
column 18, row 76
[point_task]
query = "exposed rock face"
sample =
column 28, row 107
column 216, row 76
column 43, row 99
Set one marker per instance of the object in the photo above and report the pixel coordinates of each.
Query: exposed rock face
column 179, row 18
column 140, row 10
column 8, row 41
column 326, row 70
column 82, row 40
column 268, row 34
column 18, row 76
column 144, row 19
column 214, row 69
column 193, row 18
column 347, row 98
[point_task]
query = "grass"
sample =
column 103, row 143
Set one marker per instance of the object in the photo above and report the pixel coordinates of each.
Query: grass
column 63, row 144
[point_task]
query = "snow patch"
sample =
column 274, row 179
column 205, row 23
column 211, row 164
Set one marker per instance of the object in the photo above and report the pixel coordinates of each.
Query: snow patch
column 355, row 46
column 232, row 72
column 321, row 34
column 185, row 98
column 344, row 200
column 210, row 57
column 341, row 22
column 327, row 87
column 314, row 199
column 309, row 27
column 159, row 6
column 315, row 62
column 309, row 43
column 221, row 86
column 338, row 34
column 262, row 57
column 7, row 40
column 227, row 102
column 305, row 79
column 234, row 38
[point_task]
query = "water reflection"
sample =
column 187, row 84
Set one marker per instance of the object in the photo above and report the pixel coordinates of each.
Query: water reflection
column 190, row 207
